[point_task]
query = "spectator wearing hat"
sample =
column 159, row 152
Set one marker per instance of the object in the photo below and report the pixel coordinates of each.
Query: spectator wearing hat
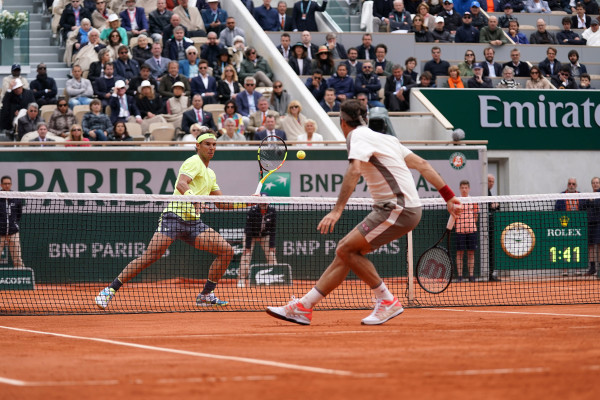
column 72, row 16
column 515, row 35
column 467, row 33
column 114, row 23
column 159, row 20
column 177, row 104
column 507, row 17
column 15, row 72
column 592, row 34
column 338, row 51
column 323, row 61
column 478, row 19
column 492, row 34
column 439, row 33
column 150, row 105
column 303, row 15
column 123, row 107
column 44, row 87
column 478, row 81
column 14, row 104
column 452, row 18
column 211, row 50
column 567, row 36
column 214, row 17
column 133, row 19
column 267, row 17
column 299, row 60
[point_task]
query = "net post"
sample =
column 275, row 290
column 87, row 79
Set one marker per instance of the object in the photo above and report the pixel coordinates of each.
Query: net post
column 409, row 255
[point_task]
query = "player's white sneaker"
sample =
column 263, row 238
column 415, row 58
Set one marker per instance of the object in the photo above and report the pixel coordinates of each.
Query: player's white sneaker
column 294, row 311
column 104, row 297
column 383, row 312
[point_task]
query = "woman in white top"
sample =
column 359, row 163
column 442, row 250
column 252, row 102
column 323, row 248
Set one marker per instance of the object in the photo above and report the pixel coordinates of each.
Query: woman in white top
column 293, row 123
column 310, row 127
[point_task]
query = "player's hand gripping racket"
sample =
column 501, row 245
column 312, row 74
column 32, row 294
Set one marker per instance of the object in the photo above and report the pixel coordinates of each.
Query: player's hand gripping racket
column 272, row 153
column 434, row 268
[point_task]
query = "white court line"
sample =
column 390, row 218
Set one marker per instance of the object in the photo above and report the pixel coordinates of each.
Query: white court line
column 514, row 312
column 114, row 382
column 498, row 371
column 316, row 370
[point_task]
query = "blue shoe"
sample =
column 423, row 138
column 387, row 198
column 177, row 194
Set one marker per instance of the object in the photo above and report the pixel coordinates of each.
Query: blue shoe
column 207, row 300
column 104, row 297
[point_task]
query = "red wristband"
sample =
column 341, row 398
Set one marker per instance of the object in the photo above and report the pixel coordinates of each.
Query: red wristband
column 446, row 193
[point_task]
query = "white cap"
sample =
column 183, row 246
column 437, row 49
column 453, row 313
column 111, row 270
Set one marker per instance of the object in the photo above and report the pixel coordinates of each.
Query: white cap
column 119, row 84
column 145, row 84
column 17, row 83
column 179, row 84
column 113, row 17
column 439, row 19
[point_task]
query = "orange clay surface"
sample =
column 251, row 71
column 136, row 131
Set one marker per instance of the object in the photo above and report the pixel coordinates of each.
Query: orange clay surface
column 478, row 353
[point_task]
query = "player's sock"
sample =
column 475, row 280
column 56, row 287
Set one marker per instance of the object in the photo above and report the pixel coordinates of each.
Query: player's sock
column 116, row 284
column 382, row 292
column 311, row 298
column 209, row 286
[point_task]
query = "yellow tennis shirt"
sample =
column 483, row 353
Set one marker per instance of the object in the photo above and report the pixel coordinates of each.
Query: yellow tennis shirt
column 204, row 182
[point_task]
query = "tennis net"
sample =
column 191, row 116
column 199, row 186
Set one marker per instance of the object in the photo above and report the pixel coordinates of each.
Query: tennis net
column 529, row 251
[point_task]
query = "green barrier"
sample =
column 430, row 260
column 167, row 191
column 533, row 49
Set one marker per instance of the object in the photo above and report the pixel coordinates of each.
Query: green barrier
column 17, row 279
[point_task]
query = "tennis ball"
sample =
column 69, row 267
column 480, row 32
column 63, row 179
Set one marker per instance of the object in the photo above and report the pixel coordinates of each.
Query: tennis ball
column 301, row 154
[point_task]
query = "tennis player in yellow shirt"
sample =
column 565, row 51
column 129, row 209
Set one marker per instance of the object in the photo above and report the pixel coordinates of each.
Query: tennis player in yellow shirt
column 181, row 220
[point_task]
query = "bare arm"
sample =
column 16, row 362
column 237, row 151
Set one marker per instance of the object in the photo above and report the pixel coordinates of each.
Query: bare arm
column 413, row 161
column 350, row 180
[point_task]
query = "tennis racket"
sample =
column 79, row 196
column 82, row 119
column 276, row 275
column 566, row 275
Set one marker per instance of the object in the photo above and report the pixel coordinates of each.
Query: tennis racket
column 434, row 268
column 272, row 153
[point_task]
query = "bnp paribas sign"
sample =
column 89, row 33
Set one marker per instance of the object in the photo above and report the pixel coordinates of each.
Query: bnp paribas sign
column 524, row 119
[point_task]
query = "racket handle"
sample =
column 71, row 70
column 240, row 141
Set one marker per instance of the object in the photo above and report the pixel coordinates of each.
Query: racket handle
column 258, row 188
column 450, row 223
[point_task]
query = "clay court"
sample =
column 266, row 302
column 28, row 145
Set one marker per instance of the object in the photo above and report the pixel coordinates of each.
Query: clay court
column 543, row 352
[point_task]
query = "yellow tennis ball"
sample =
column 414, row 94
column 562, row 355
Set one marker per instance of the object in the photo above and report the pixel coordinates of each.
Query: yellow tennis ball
column 301, row 154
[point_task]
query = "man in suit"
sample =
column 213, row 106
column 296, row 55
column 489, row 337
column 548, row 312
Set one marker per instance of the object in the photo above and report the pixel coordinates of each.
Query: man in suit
column 311, row 48
column 103, row 85
column 284, row 22
column 270, row 129
column 247, row 100
column 214, row 17
column 159, row 20
column 122, row 106
column 158, row 64
column 267, row 17
column 176, row 47
column 197, row 115
column 382, row 67
column 42, row 130
column 165, row 88
column 124, row 67
column 257, row 120
column 337, row 50
column 303, row 15
column 285, row 47
column 396, row 90
column 329, row 102
column 133, row 19
column 366, row 51
column 204, row 84
column 490, row 67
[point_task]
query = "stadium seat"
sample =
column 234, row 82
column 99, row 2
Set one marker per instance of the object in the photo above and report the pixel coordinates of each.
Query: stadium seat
column 80, row 111
column 216, row 110
column 135, row 131
column 47, row 110
column 162, row 132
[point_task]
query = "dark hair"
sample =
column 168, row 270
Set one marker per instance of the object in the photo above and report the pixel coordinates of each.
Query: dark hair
column 318, row 71
column 427, row 74
column 573, row 52
column 464, row 182
column 409, row 59
column 125, row 133
column 145, row 66
column 381, row 46
column 565, row 68
column 353, row 112
column 585, row 75
column 285, row 35
column 5, row 177
column 566, row 20
column 232, row 102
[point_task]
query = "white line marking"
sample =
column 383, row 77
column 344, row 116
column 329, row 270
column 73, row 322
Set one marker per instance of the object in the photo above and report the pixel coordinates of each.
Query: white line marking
column 316, row 370
column 114, row 382
column 12, row 382
column 498, row 371
column 375, row 332
column 514, row 312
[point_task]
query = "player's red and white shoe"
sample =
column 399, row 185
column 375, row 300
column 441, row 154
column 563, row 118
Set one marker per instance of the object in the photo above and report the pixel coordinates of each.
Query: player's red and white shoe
column 294, row 311
column 383, row 312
